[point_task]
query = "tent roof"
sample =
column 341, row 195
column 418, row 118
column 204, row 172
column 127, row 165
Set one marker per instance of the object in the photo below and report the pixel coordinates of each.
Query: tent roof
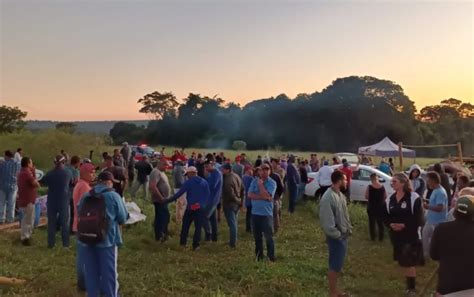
column 386, row 148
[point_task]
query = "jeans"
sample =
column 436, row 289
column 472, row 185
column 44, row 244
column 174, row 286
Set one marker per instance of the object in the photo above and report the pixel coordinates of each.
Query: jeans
column 80, row 268
column 248, row 219
column 58, row 215
column 190, row 216
column 375, row 220
column 231, row 215
column 100, row 266
column 426, row 235
column 162, row 219
column 301, row 188
column 7, row 204
column 337, row 253
column 276, row 215
column 27, row 221
column 263, row 225
column 293, row 190
column 136, row 187
column 210, row 223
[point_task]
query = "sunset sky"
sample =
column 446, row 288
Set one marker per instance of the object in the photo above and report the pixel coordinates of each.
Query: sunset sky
column 92, row 60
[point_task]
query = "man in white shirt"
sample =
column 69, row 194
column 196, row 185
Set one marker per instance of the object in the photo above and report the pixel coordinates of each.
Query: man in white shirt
column 18, row 155
column 324, row 178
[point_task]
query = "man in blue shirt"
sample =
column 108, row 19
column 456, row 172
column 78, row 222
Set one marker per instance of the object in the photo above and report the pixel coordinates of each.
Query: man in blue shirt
column 9, row 170
column 197, row 197
column 100, row 260
column 57, row 180
column 214, row 180
column 261, row 192
column 437, row 209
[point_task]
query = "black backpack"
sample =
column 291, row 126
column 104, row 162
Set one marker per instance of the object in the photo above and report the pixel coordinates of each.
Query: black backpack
column 92, row 219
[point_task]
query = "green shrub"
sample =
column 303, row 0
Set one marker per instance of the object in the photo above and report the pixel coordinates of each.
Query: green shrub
column 239, row 145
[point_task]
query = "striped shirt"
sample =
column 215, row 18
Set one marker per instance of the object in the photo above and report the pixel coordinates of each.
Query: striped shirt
column 8, row 173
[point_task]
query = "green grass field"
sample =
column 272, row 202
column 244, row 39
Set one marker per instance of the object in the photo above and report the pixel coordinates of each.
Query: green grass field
column 149, row 268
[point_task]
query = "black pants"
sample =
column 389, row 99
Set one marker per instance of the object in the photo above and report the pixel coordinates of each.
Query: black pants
column 320, row 192
column 248, row 219
column 375, row 220
column 190, row 216
column 162, row 219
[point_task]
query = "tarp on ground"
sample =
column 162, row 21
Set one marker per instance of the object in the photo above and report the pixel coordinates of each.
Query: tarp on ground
column 386, row 148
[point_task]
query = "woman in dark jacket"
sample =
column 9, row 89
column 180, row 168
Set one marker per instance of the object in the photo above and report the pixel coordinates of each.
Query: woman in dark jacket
column 404, row 217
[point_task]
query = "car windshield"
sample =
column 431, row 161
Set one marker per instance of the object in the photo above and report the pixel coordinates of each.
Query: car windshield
column 145, row 150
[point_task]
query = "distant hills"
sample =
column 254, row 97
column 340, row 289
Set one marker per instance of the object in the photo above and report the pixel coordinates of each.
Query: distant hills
column 97, row 127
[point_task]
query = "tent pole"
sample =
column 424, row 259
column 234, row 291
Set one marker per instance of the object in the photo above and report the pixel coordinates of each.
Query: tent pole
column 460, row 153
column 400, row 155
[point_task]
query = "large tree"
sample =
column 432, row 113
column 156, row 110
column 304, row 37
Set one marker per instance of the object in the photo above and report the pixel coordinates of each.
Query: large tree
column 11, row 119
column 159, row 104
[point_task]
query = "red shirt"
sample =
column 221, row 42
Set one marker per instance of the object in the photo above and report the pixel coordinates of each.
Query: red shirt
column 27, row 191
column 348, row 173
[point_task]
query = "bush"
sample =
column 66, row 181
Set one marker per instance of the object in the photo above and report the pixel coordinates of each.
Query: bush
column 239, row 145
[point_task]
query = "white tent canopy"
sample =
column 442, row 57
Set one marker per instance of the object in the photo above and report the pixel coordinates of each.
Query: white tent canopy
column 386, row 148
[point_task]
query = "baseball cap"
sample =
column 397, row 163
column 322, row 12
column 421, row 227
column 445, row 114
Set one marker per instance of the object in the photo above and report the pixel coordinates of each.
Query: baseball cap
column 265, row 166
column 59, row 159
column 87, row 168
column 105, row 176
column 465, row 206
column 191, row 169
column 226, row 166
column 124, row 143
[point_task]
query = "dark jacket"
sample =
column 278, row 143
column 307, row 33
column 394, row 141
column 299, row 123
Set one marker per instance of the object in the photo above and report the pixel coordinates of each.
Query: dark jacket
column 232, row 191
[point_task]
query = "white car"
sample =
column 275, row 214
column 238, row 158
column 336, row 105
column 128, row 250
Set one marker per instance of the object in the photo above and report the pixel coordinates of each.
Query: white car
column 359, row 183
column 350, row 157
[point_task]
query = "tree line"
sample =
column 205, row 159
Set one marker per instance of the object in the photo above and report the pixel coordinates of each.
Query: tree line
column 351, row 112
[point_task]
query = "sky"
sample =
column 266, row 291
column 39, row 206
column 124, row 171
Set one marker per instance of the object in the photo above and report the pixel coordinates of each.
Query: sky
column 92, row 60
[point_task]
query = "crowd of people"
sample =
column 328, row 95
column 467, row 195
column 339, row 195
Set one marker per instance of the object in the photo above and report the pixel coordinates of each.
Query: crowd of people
column 420, row 216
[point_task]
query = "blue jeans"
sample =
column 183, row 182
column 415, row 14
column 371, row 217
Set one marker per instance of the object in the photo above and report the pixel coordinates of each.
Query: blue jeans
column 190, row 216
column 7, row 204
column 263, row 225
column 58, row 214
column 162, row 219
column 101, row 273
column 293, row 191
column 80, row 269
column 301, row 188
column 231, row 215
column 337, row 253
column 210, row 223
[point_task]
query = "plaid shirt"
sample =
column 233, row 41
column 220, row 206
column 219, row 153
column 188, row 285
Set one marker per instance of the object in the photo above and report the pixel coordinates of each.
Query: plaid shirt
column 8, row 173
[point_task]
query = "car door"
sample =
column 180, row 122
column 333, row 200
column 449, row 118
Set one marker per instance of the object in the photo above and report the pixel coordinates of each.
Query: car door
column 359, row 183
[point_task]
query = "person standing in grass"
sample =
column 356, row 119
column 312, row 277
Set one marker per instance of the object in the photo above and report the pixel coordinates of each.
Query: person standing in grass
column 238, row 168
column 324, row 178
column 73, row 168
column 100, row 258
column 120, row 177
column 336, row 224
column 452, row 244
column 160, row 191
column 8, row 187
column 262, row 190
column 27, row 193
column 375, row 195
column 404, row 217
column 293, row 182
column 247, row 181
column 58, row 181
column 214, row 180
column 232, row 194
column 82, row 187
column 144, row 169
column 178, row 181
column 197, row 196
column 437, row 209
